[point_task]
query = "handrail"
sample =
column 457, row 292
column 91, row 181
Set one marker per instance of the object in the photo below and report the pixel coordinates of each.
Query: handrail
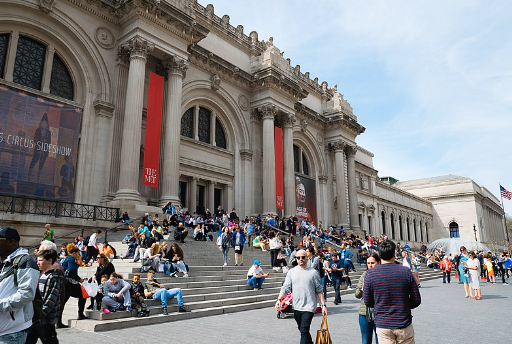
column 313, row 235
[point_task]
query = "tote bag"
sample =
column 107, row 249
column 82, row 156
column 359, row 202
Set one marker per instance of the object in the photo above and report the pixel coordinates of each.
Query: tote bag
column 322, row 335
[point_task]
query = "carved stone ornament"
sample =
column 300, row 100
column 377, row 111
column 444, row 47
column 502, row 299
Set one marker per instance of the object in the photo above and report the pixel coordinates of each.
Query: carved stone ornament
column 351, row 150
column 303, row 125
column 105, row 38
column 243, row 102
column 177, row 65
column 338, row 146
column 288, row 119
column 46, row 5
column 269, row 111
column 319, row 139
column 215, row 79
column 138, row 47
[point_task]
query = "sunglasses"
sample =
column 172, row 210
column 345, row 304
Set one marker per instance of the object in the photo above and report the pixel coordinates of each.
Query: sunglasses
column 300, row 257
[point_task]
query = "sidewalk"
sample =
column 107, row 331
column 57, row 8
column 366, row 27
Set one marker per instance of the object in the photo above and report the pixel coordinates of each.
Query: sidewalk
column 444, row 316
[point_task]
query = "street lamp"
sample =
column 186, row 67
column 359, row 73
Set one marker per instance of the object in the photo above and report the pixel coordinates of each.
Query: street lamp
column 474, row 230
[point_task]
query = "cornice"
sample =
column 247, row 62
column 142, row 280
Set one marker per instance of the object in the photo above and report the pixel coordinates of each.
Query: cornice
column 348, row 123
column 309, row 114
column 273, row 78
column 402, row 192
column 213, row 63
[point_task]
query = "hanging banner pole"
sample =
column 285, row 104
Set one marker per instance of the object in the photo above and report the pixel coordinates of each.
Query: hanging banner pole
column 153, row 130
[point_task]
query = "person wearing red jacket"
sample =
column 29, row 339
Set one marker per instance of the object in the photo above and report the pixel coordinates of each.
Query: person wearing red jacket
column 446, row 268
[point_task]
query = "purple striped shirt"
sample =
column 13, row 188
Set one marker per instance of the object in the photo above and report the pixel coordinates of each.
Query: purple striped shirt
column 392, row 290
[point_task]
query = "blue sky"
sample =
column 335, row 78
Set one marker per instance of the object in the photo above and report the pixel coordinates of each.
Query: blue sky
column 430, row 80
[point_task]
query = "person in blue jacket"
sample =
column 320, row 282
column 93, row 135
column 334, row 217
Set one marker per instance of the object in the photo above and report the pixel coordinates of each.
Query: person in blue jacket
column 345, row 256
column 238, row 242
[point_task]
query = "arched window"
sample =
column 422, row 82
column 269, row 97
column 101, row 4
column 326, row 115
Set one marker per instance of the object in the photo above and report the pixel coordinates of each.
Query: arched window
column 187, row 123
column 4, row 42
column 305, row 166
column 220, row 136
column 400, row 228
column 383, row 216
column 454, row 230
column 29, row 63
column 392, row 219
column 203, row 127
column 61, row 83
column 300, row 161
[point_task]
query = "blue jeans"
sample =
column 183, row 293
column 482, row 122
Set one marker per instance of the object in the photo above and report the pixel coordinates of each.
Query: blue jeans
column 336, row 282
column 255, row 282
column 168, row 268
column 164, row 294
column 225, row 251
column 325, row 279
column 14, row 338
column 367, row 331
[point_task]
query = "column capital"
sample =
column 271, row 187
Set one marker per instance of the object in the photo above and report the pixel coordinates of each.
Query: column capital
column 246, row 154
column 255, row 115
column 288, row 120
column 323, row 179
column 138, row 47
column 176, row 65
column 123, row 56
column 350, row 150
column 268, row 111
column 338, row 146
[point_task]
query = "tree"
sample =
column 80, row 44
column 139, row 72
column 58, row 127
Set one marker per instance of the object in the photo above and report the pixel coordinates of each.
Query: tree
column 508, row 221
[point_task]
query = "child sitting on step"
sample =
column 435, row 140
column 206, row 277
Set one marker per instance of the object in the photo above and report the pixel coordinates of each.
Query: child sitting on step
column 137, row 295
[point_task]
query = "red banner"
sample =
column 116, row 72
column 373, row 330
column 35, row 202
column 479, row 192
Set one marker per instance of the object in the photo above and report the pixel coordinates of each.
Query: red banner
column 153, row 130
column 278, row 146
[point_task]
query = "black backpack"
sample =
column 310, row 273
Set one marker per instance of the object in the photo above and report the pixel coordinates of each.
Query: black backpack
column 37, row 303
column 86, row 240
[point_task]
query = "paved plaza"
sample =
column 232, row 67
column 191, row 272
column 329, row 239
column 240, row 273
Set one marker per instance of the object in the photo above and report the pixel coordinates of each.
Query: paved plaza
column 444, row 316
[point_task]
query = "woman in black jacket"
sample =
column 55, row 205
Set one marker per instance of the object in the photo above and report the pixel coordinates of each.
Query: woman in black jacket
column 105, row 267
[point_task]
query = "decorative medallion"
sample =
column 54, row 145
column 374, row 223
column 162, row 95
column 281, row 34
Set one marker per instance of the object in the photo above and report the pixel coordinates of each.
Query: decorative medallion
column 105, row 38
column 319, row 139
column 243, row 102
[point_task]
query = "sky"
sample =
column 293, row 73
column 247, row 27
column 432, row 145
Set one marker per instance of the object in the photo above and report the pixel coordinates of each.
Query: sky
column 430, row 80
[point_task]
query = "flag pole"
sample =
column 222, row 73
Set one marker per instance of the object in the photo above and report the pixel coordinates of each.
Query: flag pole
column 504, row 218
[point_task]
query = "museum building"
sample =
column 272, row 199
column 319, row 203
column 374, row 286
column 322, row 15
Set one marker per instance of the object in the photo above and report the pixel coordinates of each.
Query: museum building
column 236, row 113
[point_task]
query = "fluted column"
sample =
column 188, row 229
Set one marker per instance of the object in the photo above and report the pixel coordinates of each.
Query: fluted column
column 193, row 195
column 290, row 206
column 130, row 149
column 211, row 196
column 341, row 192
column 176, row 68
column 352, row 188
column 118, row 118
column 248, row 194
column 269, row 160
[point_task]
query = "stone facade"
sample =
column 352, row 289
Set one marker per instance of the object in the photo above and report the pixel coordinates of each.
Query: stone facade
column 224, row 93
column 459, row 207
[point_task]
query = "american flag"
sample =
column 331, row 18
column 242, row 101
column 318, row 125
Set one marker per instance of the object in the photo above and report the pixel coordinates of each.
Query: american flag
column 505, row 193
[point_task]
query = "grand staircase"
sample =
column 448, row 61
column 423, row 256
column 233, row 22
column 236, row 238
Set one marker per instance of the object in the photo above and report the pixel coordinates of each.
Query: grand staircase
column 211, row 288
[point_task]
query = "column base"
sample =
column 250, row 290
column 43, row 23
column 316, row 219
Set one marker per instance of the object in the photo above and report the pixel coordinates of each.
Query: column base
column 127, row 196
column 108, row 197
column 271, row 213
column 173, row 199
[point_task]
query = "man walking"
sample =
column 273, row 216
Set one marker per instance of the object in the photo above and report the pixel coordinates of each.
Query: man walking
column 305, row 284
column 18, row 282
column 92, row 247
column 50, row 286
column 392, row 291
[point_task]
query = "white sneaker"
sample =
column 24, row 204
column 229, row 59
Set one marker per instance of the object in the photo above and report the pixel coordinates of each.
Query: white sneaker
column 225, row 264
column 185, row 275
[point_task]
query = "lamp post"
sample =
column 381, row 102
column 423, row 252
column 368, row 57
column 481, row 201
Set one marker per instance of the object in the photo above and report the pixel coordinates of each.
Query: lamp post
column 474, row 231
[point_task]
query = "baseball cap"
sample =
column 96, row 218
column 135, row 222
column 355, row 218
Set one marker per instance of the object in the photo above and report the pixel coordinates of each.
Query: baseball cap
column 9, row 233
column 257, row 262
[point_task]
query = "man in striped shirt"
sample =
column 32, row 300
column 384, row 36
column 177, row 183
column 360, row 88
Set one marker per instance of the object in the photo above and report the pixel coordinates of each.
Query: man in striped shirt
column 392, row 291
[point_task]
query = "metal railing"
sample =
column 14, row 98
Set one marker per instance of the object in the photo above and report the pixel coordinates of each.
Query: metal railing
column 41, row 206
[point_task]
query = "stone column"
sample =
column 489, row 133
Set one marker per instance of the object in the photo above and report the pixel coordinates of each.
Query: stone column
column 229, row 194
column 269, row 160
column 211, row 196
column 130, row 149
column 248, row 195
column 352, row 188
column 48, row 64
column 193, row 195
column 289, row 179
column 324, row 201
column 118, row 118
column 341, row 193
column 176, row 68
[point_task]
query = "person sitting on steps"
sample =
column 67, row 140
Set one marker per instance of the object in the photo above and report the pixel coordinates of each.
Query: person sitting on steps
column 155, row 290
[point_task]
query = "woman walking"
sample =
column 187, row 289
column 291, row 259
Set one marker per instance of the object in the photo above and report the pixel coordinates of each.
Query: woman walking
column 238, row 242
column 73, row 281
column 473, row 264
column 275, row 247
column 463, row 258
column 367, row 328
column 224, row 244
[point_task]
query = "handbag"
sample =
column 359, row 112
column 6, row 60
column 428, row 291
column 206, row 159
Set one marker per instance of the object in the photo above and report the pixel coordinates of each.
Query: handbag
column 322, row 335
column 466, row 272
column 370, row 316
column 90, row 288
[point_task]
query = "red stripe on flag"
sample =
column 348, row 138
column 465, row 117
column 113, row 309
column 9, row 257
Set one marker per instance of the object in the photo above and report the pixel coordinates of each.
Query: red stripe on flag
column 278, row 146
column 153, row 130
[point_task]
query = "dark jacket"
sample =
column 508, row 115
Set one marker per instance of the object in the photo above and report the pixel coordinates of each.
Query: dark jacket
column 51, row 295
column 108, row 269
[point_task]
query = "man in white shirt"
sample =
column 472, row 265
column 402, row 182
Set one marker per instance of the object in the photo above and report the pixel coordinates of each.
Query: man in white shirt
column 92, row 248
column 406, row 260
column 256, row 276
